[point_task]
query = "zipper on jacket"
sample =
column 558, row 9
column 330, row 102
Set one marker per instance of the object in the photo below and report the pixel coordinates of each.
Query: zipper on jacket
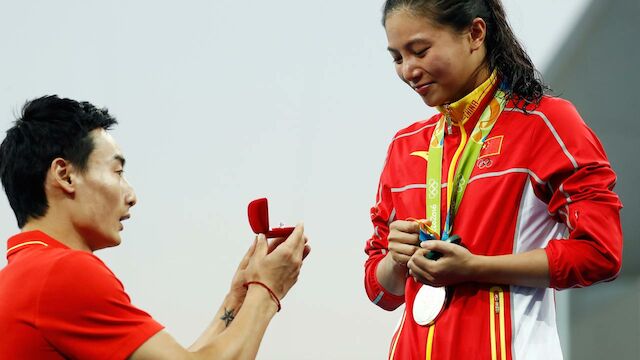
column 394, row 341
column 448, row 119
column 497, row 323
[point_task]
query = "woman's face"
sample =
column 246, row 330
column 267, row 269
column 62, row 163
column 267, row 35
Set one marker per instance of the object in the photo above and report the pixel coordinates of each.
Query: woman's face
column 440, row 64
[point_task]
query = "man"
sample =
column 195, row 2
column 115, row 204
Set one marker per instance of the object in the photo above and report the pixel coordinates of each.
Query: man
column 63, row 175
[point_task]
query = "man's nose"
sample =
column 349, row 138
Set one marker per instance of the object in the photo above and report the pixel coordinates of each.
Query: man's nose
column 131, row 198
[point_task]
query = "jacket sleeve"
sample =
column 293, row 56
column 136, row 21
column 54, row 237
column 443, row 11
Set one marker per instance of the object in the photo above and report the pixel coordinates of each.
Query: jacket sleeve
column 382, row 214
column 579, row 181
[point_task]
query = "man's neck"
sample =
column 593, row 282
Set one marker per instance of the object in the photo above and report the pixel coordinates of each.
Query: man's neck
column 58, row 229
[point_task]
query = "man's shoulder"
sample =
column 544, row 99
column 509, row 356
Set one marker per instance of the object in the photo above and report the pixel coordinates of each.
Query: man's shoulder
column 77, row 260
column 80, row 280
column 77, row 268
column 59, row 260
column 38, row 262
column 69, row 258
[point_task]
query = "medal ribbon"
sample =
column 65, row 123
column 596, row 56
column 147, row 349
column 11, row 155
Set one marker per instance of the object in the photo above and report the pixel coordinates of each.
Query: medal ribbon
column 488, row 109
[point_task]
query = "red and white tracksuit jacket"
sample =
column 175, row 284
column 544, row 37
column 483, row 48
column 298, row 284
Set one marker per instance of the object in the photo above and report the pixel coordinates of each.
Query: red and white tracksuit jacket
column 542, row 181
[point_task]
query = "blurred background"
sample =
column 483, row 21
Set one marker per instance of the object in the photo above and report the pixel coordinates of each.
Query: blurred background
column 221, row 102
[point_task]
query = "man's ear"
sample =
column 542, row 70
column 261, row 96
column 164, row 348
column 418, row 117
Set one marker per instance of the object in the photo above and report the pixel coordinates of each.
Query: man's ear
column 62, row 172
column 477, row 33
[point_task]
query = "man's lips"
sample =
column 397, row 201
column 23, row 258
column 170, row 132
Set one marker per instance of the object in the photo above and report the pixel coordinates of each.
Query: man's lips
column 123, row 219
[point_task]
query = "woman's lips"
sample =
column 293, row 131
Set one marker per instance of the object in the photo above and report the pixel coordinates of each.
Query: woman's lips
column 423, row 89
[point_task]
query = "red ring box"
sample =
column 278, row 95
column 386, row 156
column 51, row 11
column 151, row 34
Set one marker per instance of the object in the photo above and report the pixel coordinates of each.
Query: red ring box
column 258, row 212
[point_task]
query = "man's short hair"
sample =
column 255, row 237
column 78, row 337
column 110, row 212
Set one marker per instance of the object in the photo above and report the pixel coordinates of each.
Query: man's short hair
column 49, row 127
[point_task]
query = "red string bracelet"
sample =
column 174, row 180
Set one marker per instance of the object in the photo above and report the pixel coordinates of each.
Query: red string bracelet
column 273, row 295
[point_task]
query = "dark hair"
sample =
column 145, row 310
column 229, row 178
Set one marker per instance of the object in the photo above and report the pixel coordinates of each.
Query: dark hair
column 49, row 127
column 523, row 82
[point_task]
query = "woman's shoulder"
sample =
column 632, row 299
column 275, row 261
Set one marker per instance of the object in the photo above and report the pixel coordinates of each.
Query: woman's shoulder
column 551, row 109
column 556, row 117
column 417, row 127
column 554, row 105
column 548, row 105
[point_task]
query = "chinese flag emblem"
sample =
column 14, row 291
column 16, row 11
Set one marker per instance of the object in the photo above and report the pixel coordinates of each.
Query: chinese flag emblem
column 492, row 146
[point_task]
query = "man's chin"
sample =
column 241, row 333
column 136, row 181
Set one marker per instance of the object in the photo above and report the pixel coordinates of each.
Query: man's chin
column 115, row 242
column 107, row 243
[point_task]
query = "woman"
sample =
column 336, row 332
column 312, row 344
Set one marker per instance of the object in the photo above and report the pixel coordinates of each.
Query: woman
column 516, row 174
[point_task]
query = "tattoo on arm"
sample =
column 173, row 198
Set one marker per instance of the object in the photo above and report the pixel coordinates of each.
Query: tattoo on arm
column 227, row 317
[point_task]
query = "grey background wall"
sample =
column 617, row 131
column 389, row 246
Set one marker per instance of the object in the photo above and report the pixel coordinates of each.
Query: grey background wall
column 224, row 101
column 597, row 69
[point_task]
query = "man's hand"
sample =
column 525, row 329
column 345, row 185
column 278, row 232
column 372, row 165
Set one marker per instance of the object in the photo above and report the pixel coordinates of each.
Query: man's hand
column 238, row 292
column 278, row 269
column 273, row 244
column 277, row 266
column 403, row 240
column 455, row 265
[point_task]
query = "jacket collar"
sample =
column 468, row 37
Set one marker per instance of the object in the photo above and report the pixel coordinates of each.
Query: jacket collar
column 28, row 239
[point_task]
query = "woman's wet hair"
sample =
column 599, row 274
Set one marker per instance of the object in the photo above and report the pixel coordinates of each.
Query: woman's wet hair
column 522, row 81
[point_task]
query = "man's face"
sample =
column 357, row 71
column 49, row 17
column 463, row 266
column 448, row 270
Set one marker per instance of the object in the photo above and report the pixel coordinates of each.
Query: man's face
column 103, row 196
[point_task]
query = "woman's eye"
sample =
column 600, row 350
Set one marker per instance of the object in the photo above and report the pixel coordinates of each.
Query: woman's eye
column 422, row 53
column 397, row 60
column 120, row 172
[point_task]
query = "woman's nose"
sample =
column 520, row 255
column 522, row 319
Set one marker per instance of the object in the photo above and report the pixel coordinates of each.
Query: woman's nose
column 411, row 72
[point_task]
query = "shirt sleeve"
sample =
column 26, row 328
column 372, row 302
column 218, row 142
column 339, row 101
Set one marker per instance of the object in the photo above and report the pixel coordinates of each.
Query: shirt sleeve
column 85, row 313
column 578, row 188
column 376, row 248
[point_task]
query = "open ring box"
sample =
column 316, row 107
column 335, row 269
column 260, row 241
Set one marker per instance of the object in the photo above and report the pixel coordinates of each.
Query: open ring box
column 258, row 212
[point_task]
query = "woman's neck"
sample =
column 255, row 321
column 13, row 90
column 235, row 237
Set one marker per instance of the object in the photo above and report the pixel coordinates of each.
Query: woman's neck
column 479, row 76
column 461, row 110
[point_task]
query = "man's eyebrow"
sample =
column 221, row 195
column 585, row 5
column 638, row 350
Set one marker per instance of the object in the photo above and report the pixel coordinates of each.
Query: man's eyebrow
column 120, row 158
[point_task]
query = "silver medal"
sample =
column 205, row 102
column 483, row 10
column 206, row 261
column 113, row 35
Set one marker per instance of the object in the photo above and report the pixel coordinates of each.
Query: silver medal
column 428, row 304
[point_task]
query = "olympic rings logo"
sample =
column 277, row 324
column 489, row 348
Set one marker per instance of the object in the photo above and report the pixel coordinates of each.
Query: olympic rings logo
column 461, row 184
column 484, row 163
column 433, row 188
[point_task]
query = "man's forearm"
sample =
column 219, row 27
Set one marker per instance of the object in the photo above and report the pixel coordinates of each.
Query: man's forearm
column 223, row 318
column 241, row 339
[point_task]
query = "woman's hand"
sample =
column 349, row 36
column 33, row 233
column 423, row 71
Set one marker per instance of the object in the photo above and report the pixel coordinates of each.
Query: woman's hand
column 455, row 266
column 403, row 241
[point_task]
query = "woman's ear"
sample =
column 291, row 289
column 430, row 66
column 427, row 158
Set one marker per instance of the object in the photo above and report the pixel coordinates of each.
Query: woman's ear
column 62, row 173
column 477, row 33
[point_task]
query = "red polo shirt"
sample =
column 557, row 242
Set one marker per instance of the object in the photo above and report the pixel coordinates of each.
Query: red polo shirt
column 58, row 303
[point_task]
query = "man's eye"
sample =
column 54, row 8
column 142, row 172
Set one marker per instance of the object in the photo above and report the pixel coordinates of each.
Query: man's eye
column 397, row 60
column 120, row 172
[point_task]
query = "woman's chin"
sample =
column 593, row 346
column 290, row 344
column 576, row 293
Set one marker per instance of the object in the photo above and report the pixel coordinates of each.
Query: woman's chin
column 432, row 102
column 434, row 98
